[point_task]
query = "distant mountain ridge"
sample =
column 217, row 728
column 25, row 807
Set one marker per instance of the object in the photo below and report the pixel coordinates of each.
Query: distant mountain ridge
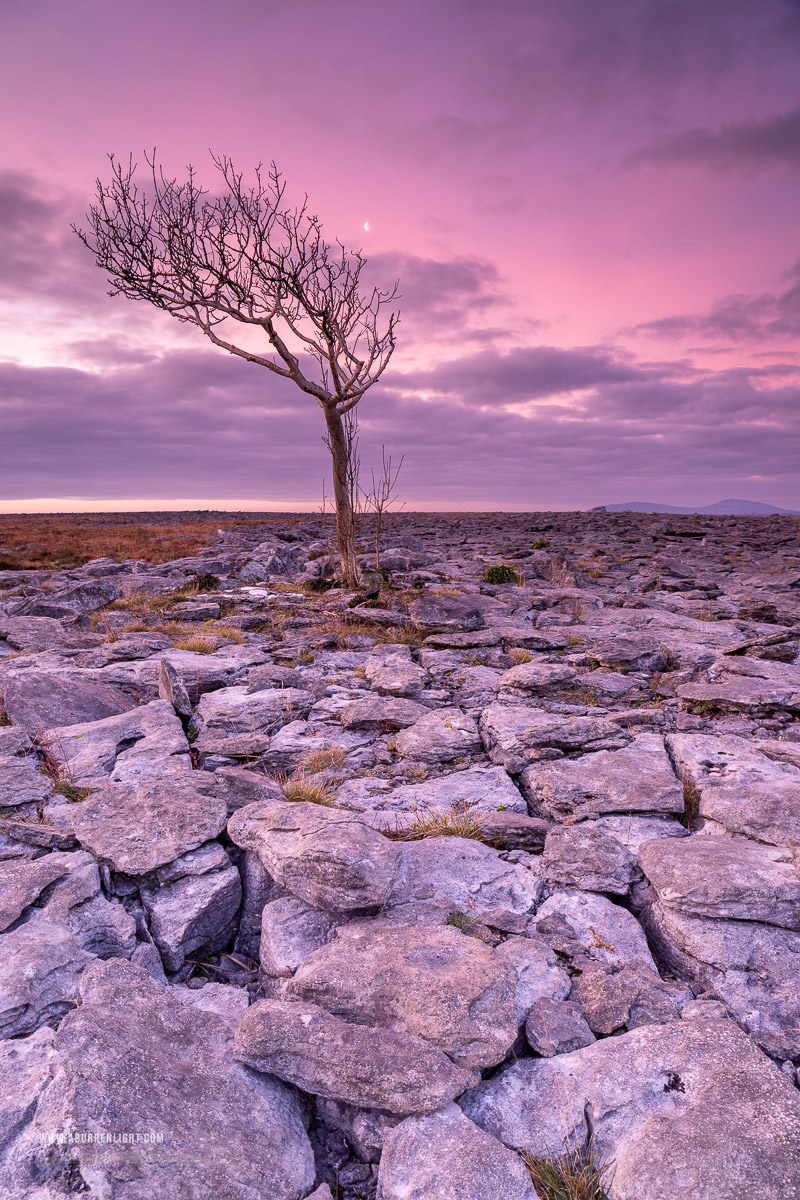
column 723, row 508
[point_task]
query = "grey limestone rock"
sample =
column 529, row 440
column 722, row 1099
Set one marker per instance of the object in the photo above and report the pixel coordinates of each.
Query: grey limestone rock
column 636, row 779
column 304, row 1044
column 446, row 1156
column 589, row 859
column 129, row 1062
column 516, row 735
column 137, row 828
column 439, row 736
column 680, row 1111
column 327, row 857
column 431, row 981
column 556, row 1027
column 724, row 877
column 290, row 931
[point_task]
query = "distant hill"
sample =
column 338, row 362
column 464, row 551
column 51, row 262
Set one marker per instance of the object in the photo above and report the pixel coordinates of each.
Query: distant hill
column 723, row 508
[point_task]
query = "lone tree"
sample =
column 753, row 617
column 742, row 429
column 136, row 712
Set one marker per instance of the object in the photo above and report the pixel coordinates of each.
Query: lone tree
column 245, row 255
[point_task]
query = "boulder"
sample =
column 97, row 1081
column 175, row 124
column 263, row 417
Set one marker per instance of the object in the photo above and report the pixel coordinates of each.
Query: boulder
column 387, row 1069
column 192, row 904
column 614, row 998
column 326, row 857
column 585, row 927
column 639, row 778
column 679, row 1111
column 290, row 931
column 481, row 789
column 431, row 981
column 588, row 859
column 130, row 1062
column 556, row 1027
column 439, row 736
column 537, row 970
column 446, row 1156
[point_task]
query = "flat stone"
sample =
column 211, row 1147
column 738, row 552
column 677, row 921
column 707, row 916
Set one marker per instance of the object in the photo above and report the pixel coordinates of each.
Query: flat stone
column 638, row 778
column 481, row 789
column 74, row 601
column 130, row 1063
column 446, row 1156
column 290, row 931
column 384, row 713
column 739, row 787
column 466, row 873
column 456, row 614
column 147, row 742
column 707, row 876
column 589, row 859
column 439, row 736
column 371, row 1068
column 234, row 710
column 34, row 633
column 40, row 700
column 741, row 692
column 557, row 1027
column 431, row 981
column 326, row 857
column 136, row 828
column 515, row 736
column 679, row 1111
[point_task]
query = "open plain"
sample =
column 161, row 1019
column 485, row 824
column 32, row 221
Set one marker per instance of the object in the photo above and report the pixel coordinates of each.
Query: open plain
column 400, row 893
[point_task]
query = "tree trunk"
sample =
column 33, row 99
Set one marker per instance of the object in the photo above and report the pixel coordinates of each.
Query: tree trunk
column 345, row 523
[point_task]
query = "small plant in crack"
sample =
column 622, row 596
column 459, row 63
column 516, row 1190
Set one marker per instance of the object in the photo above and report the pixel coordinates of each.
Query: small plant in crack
column 59, row 772
column 574, row 1174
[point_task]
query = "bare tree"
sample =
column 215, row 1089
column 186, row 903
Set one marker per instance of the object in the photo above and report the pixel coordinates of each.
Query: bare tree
column 247, row 256
column 381, row 496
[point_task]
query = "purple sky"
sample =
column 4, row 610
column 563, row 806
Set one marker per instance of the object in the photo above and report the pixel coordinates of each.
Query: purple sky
column 592, row 208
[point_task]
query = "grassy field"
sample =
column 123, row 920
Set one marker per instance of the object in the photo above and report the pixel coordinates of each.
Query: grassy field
column 34, row 542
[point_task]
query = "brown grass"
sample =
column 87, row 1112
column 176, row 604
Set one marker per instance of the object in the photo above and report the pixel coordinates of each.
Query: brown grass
column 457, row 822
column 196, row 644
column 60, row 773
column 329, row 758
column 519, row 656
column 301, row 788
column 35, row 542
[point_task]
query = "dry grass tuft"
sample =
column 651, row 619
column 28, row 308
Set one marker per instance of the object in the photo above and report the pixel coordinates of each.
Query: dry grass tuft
column 576, row 1174
column 196, row 644
column 304, row 789
column 60, row 773
column 458, row 821
column 329, row 758
column 519, row 656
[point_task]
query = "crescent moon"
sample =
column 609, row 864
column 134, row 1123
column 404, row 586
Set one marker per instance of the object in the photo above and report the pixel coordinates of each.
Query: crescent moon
column 366, row 226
